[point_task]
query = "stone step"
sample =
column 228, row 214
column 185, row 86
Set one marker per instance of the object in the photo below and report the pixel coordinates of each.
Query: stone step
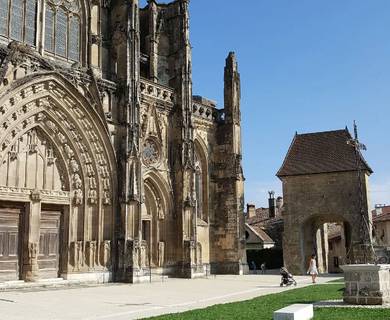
column 159, row 277
column 51, row 280
column 12, row 283
column 41, row 283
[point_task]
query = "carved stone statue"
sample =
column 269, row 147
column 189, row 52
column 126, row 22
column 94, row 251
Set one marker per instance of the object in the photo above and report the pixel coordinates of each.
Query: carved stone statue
column 78, row 197
column 105, row 253
column 161, row 254
column 91, row 254
column 77, row 182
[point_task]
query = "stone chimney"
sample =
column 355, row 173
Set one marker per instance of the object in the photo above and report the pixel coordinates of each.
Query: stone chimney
column 272, row 204
column 250, row 211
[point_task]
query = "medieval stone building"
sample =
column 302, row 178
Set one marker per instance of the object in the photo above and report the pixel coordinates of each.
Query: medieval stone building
column 110, row 167
column 325, row 180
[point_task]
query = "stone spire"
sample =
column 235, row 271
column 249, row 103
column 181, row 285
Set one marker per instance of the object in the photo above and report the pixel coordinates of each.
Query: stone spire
column 232, row 90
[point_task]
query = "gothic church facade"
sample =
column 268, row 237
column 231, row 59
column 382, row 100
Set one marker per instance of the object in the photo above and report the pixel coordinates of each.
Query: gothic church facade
column 110, row 168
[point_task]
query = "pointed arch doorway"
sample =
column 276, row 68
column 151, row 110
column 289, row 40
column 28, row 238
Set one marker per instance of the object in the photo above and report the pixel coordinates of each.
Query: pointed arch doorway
column 31, row 166
column 156, row 229
column 58, row 166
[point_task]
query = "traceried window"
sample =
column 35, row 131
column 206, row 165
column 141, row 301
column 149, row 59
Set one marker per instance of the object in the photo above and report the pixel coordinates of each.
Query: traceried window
column 62, row 28
column 18, row 20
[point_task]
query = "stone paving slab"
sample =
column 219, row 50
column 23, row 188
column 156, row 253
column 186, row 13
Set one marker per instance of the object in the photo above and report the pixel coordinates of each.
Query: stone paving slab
column 125, row 302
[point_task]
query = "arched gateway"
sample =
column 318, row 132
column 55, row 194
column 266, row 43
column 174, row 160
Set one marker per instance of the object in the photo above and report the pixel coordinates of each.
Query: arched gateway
column 324, row 181
column 56, row 182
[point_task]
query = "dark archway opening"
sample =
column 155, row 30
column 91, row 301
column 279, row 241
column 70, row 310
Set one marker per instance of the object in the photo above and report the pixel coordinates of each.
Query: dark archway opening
column 329, row 238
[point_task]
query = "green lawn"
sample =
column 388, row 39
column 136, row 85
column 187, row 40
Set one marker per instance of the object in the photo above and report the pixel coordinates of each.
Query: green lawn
column 347, row 314
column 263, row 307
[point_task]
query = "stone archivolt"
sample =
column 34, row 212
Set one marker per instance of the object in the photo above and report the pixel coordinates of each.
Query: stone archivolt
column 45, row 107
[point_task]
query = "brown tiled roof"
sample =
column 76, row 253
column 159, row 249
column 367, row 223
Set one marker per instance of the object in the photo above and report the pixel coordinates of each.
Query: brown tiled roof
column 261, row 234
column 321, row 152
column 385, row 210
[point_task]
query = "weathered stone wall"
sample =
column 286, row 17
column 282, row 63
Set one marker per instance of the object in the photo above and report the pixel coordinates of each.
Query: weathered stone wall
column 228, row 235
column 367, row 284
column 312, row 200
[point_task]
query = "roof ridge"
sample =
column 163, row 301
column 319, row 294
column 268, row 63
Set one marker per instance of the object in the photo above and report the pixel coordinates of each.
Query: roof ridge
column 319, row 132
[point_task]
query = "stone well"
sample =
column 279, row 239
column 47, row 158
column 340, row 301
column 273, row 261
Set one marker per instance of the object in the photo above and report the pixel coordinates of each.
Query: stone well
column 367, row 284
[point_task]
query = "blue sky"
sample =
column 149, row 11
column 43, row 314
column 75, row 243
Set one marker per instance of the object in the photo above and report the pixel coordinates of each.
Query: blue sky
column 305, row 66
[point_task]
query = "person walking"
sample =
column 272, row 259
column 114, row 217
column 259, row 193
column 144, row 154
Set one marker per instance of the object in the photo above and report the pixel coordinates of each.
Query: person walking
column 313, row 271
column 263, row 268
column 253, row 267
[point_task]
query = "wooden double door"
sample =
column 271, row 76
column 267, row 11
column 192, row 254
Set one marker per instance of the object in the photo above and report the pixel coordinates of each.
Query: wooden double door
column 14, row 230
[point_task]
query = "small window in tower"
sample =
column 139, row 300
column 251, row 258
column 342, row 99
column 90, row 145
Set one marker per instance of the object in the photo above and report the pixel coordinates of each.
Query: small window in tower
column 4, row 10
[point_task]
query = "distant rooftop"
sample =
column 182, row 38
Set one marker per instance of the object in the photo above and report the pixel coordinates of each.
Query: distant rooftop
column 260, row 233
column 321, row 152
column 382, row 215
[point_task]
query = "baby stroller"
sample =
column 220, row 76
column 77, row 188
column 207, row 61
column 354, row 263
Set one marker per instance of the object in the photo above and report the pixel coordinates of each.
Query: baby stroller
column 287, row 278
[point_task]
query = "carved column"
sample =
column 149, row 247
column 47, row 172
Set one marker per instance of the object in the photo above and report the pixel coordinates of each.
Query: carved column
column 32, row 232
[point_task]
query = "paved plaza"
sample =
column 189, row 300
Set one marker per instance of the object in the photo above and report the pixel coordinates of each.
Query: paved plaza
column 125, row 301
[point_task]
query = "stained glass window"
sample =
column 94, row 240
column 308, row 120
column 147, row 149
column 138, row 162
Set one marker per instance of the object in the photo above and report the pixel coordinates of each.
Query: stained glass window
column 74, row 39
column 61, row 31
column 4, row 17
column 17, row 19
column 30, row 22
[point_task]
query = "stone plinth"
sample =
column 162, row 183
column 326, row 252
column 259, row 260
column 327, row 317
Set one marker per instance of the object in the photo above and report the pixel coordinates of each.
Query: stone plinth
column 295, row 312
column 367, row 284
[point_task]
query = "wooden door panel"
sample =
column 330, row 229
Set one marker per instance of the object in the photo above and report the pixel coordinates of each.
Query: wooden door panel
column 13, row 238
column 48, row 258
column 9, row 244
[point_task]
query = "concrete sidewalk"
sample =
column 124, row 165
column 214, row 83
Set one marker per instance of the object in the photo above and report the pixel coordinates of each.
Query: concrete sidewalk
column 124, row 302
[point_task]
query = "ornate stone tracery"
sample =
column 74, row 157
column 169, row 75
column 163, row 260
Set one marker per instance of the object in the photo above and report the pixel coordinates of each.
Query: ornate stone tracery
column 71, row 5
column 151, row 153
